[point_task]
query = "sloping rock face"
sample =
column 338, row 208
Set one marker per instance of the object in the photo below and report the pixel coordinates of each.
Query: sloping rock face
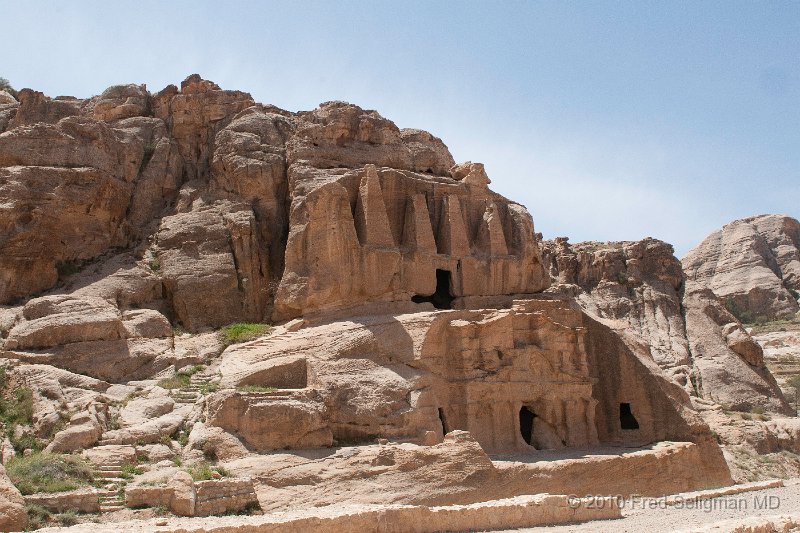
column 638, row 289
column 753, row 264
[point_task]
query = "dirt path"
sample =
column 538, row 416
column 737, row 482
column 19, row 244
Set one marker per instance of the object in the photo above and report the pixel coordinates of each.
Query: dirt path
column 782, row 500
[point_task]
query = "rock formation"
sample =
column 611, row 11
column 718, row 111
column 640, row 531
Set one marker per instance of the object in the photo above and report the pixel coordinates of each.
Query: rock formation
column 639, row 288
column 752, row 264
column 423, row 330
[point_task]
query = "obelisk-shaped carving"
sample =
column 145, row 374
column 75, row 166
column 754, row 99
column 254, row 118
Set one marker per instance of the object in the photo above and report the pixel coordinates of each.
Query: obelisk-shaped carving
column 372, row 223
column 452, row 230
column 491, row 239
column 417, row 231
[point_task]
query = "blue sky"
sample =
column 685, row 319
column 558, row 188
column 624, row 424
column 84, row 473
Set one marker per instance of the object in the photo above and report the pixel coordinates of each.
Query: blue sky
column 608, row 120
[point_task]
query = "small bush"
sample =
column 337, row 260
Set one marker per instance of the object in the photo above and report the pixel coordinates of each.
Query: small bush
column 66, row 519
column 5, row 85
column 16, row 409
column 255, row 388
column 181, row 379
column 204, row 471
column 622, row 278
column 129, row 470
column 38, row 516
column 155, row 265
column 242, row 332
column 178, row 381
column 757, row 410
column 46, row 472
column 208, row 388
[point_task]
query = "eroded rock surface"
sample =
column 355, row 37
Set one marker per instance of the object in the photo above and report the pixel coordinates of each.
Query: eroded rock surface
column 753, row 264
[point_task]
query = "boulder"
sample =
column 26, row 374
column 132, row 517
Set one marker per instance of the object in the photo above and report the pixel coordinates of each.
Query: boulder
column 13, row 516
column 58, row 320
column 216, row 443
column 266, row 423
column 141, row 410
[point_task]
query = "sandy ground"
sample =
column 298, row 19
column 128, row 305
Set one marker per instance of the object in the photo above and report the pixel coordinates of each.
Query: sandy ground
column 636, row 519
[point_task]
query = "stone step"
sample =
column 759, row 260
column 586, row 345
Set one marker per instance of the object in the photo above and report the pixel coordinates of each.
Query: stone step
column 111, row 508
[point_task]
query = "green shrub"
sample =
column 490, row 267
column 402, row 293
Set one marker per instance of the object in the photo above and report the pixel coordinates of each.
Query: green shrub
column 5, row 85
column 242, row 332
column 16, row 408
column 203, row 471
column 129, row 470
column 181, row 379
column 757, row 410
column 66, row 519
column 208, row 388
column 178, row 381
column 155, row 265
column 38, row 516
column 46, row 472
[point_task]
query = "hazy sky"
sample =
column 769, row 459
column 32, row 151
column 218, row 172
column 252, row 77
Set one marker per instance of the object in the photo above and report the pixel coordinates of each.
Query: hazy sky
column 608, row 120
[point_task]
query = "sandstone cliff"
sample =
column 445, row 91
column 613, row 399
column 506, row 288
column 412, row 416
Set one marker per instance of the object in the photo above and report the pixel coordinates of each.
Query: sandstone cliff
column 411, row 304
column 275, row 213
column 752, row 264
column 639, row 288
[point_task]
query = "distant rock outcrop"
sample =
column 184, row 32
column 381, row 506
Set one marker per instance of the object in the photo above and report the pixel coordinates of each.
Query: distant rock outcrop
column 753, row 264
column 638, row 288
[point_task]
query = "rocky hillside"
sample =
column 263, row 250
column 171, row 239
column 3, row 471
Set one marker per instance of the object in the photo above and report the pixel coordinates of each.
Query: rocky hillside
column 752, row 264
column 638, row 288
column 192, row 283
column 202, row 191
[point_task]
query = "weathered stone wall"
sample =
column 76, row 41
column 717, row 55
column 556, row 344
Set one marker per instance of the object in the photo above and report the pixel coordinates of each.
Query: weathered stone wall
column 216, row 497
column 207, row 498
column 522, row 511
column 86, row 500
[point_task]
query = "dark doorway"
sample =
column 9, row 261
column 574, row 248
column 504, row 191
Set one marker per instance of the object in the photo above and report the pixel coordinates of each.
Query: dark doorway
column 526, row 417
column 443, row 297
column 626, row 418
column 443, row 420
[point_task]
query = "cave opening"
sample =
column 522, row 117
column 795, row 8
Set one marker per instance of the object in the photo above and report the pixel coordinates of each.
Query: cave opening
column 443, row 420
column 526, row 417
column 626, row 418
column 443, row 297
